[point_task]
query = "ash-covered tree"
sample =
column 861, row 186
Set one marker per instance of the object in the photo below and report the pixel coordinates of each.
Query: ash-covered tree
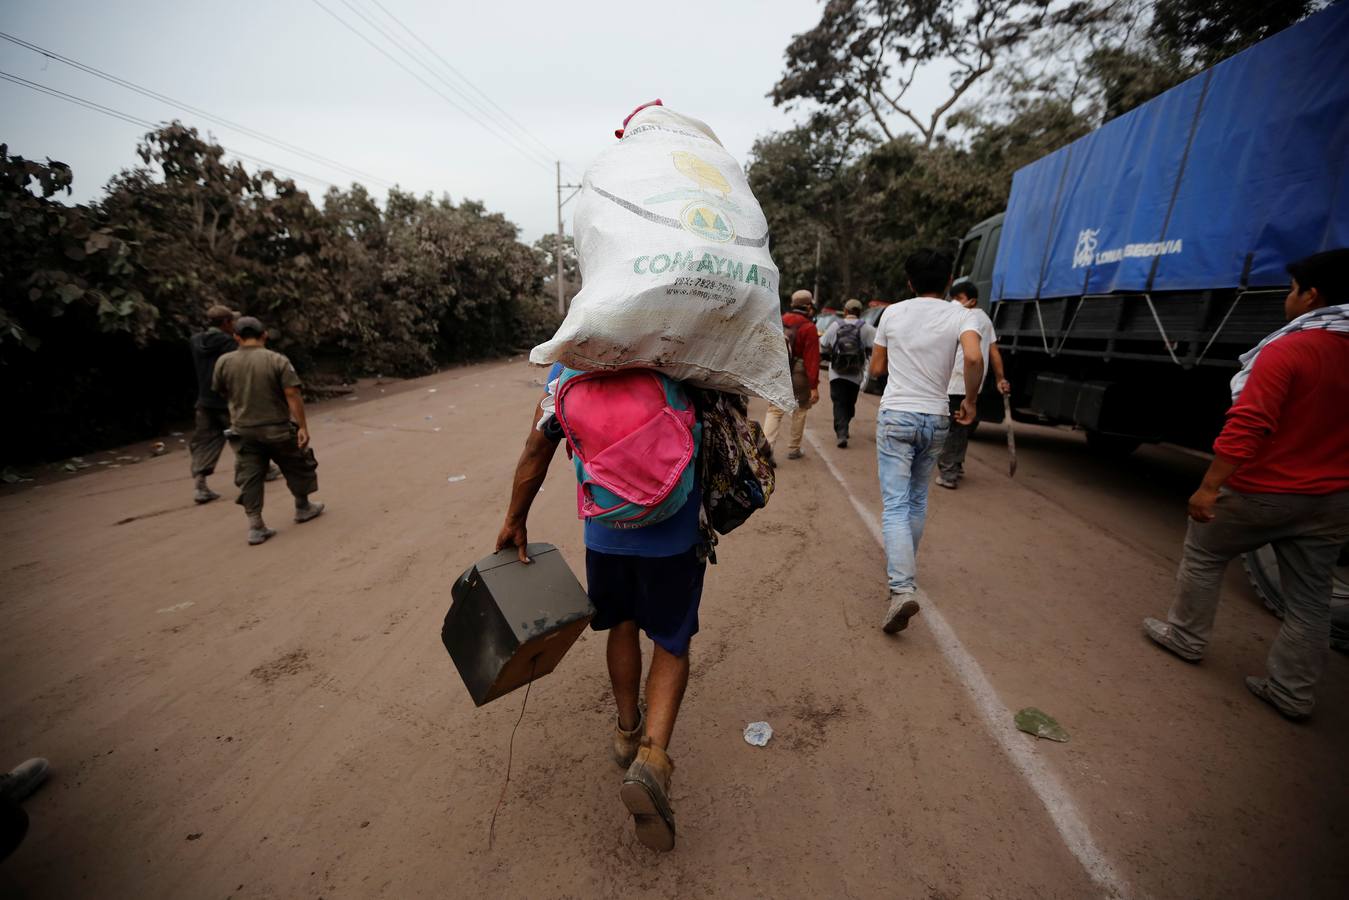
column 1201, row 32
column 544, row 247
column 864, row 56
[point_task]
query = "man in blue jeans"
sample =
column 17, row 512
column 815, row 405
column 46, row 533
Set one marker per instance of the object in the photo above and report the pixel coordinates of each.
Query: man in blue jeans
column 915, row 343
column 647, row 579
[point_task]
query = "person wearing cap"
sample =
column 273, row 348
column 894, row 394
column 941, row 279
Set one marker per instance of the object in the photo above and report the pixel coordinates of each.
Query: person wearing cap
column 848, row 364
column 803, row 351
column 212, row 412
column 267, row 424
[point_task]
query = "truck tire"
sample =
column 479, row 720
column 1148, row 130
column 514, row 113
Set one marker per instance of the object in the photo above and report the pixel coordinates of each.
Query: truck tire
column 1112, row 445
column 1262, row 569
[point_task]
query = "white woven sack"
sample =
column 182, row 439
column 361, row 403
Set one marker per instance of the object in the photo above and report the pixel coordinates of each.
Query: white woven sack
column 675, row 270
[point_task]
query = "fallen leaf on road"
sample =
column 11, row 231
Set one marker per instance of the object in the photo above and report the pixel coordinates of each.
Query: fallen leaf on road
column 1040, row 724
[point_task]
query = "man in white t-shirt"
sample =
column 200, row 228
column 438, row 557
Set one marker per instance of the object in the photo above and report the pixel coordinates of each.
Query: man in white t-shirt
column 951, row 462
column 915, row 342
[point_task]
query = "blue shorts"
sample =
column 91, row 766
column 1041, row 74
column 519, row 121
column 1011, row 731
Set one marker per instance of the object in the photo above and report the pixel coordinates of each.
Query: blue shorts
column 660, row 593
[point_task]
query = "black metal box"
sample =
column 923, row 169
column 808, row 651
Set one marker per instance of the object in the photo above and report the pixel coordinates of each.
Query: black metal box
column 510, row 623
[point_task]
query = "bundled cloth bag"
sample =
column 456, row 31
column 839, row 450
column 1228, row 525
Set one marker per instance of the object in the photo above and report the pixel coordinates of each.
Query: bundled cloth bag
column 675, row 270
column 737, row 461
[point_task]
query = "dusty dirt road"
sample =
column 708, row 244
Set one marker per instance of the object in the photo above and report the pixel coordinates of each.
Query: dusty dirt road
column 281, row 721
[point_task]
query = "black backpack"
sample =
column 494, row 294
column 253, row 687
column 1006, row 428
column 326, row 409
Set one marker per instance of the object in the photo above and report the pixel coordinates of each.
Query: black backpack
column 850, row 354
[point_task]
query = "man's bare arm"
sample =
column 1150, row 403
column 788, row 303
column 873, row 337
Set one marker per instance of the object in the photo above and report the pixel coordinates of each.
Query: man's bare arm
column 296, row 404
column 974, row 375
column 995, row 360
column 879, row 361
column 529, row 474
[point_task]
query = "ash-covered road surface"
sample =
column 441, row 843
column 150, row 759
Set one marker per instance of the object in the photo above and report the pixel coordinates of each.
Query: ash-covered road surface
column 282, row 721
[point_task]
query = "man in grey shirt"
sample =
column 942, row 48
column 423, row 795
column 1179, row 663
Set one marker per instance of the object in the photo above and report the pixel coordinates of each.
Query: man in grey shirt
column 847, row 346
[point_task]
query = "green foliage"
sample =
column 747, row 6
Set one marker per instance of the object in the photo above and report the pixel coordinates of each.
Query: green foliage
column 62, row 268
column 97, row 302
column 870, row 205
column 1201, row 32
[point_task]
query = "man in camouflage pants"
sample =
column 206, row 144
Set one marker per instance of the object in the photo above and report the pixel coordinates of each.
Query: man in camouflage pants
column 267, row 424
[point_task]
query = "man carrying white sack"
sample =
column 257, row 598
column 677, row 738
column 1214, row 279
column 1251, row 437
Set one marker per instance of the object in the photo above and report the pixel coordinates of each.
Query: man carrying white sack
column 678, row 290
column 803, row 343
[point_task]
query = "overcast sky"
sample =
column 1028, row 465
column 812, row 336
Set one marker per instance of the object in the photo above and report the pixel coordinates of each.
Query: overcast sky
column 568, row 72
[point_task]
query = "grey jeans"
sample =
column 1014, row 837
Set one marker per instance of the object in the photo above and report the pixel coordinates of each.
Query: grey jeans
column 951, row 462
column 1307, row 533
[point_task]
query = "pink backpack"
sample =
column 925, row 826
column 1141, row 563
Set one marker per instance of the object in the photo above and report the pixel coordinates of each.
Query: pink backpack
column 632, row 435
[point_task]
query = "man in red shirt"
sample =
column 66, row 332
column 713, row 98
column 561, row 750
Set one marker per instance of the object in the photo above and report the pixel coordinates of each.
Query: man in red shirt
column 1280, row 476
column 804, row 349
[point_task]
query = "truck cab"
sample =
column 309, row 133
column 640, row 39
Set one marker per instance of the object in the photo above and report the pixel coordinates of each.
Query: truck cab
column 978, row 251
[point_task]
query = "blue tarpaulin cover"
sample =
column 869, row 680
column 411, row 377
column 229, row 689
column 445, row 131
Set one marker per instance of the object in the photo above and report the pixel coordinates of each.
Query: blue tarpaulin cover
column 1219, row 182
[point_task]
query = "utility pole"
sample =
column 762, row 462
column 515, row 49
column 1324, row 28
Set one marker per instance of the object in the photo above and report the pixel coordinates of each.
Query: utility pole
column 557, row 250
column 816, row 293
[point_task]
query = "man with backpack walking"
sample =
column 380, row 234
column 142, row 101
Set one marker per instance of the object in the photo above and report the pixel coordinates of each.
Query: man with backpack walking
column 803, row 355
column 644, row 577
column 847, row 345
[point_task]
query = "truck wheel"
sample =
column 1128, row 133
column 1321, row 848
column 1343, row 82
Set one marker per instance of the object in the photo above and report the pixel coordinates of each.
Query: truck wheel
column 1117, row 445
column 1262, row 569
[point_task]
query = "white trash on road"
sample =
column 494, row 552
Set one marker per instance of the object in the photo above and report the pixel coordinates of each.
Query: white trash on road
column 758, row 733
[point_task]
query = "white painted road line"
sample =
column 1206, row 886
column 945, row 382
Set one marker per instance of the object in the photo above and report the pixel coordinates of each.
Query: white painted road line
column 997, row 718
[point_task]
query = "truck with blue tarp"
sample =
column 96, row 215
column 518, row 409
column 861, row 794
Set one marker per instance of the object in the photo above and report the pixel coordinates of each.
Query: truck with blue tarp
column 1133, row 266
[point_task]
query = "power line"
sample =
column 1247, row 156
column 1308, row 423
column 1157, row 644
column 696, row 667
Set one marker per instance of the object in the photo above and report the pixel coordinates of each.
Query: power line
column 219, row 120
column 152, row 126
column 494, row 123
column 519, row 127
column 396, row 42
column 439, row 93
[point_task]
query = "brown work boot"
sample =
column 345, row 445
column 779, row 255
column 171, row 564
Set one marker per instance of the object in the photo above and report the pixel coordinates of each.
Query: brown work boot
column 626, row 742
column 902, row 608
column 646, row 794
